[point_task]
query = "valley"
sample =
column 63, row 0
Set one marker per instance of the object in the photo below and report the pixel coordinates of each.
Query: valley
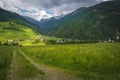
column 81, row 45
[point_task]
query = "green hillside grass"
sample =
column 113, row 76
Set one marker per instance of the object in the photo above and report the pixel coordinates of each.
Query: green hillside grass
column 90, row 61
column 23, row 34
column 14, row 31
column 11, row 30
column 15, row 28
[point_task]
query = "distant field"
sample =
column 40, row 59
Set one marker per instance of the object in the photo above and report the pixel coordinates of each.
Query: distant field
column 91, row 61
column 99, row 61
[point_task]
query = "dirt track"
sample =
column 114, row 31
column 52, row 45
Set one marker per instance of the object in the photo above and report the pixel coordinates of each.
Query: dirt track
column 50, row 73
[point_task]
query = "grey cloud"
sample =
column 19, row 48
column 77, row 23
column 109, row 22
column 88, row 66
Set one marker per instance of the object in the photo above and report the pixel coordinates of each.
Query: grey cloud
column 39, row 7
column 56, row 3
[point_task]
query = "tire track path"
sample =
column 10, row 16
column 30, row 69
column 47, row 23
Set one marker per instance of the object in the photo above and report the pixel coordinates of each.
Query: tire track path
column 13, row 68
column 50, row 73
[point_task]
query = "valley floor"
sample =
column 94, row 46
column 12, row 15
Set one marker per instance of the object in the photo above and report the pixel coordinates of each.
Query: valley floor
column 61, row 62
column 48, row 73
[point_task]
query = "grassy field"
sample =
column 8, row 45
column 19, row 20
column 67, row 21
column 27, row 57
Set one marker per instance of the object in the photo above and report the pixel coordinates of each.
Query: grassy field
column 17, row 67
column 99, row 61
column 91, row 61
column 25, row 70
column 5, row 61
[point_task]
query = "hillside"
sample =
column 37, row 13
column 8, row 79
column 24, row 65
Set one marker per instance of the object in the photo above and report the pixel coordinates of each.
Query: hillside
column 33, row 21
column 96, row 22
column 48, row 24
column 14, row 26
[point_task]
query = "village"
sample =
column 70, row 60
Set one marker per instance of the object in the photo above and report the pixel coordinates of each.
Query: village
column 55, row 41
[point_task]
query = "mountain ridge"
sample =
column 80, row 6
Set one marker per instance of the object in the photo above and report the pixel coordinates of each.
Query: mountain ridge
column 99, row 22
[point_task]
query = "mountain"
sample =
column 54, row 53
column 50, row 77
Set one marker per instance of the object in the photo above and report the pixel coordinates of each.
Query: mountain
column 14, row 26
column 33, row 21
column 99, row 22
column 48, row 24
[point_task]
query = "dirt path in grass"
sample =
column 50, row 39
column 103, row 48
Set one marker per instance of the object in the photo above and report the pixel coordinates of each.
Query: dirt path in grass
column 51, row 73
column 13, row 68
column 13, row 71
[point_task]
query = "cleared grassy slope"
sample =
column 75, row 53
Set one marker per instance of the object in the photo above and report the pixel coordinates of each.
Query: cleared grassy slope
column 11, row 30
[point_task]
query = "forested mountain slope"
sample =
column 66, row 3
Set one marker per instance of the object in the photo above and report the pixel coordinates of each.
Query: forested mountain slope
column 101, row 21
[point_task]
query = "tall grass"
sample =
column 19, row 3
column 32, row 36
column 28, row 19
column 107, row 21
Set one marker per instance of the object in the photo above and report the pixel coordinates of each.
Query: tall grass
column 5, row 60
column 91, row 61
column 26, row 70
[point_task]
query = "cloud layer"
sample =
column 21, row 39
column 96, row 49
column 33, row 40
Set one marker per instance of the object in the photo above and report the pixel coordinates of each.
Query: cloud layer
column 39, row 9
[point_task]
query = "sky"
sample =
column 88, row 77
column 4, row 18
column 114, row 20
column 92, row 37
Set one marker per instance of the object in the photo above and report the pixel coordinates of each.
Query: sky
column 39, row 9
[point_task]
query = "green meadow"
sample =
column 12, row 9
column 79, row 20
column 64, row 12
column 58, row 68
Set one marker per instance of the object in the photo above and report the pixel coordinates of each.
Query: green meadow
column 100, row 61
column 91, row 61
column 5, row 61
column 25, row 70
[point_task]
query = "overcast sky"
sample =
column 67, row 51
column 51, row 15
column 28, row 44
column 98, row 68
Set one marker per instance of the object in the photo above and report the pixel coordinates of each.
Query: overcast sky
column 39, row 9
